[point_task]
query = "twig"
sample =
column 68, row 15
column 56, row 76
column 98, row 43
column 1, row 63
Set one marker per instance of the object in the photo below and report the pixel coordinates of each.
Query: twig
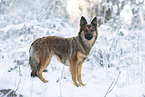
column 111, row 87
column 32, row 87
column 7, row 93
column 20, row 74
column 59, row 80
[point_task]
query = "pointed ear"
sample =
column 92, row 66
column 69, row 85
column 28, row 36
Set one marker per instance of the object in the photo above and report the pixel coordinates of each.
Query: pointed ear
column 94, row 21
column 83, row 21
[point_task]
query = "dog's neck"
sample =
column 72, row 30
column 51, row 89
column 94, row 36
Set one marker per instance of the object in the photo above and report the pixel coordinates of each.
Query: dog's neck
column 85, row 48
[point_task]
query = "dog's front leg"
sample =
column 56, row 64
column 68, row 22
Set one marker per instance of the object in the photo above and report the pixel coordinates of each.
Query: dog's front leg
column 73, row 70
column 80, row 60
column 79, row 76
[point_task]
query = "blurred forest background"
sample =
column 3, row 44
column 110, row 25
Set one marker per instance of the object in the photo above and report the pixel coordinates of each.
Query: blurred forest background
column 69, row 9
column 120, row 44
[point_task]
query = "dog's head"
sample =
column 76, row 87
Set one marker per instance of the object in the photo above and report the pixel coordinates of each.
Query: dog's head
column 88, row 32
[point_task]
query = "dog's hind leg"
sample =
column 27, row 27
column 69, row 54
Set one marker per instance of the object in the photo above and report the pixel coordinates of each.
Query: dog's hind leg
column 42, row 67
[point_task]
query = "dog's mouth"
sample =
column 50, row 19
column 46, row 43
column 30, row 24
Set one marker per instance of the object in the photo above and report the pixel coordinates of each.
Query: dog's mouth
column 89, row 36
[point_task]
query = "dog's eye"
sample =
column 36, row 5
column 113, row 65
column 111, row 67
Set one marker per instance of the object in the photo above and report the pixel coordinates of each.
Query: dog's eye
column 86, row 30
column 92, row 30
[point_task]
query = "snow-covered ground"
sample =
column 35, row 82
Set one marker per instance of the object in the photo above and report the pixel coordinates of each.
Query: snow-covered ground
column 120, row 44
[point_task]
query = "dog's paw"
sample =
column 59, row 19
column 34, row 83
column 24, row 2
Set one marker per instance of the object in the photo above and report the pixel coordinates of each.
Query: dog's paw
column 45, row 81
column 78, row 85
column 83, row 84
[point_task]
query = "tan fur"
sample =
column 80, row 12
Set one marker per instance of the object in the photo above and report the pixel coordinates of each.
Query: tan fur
column 70, row 51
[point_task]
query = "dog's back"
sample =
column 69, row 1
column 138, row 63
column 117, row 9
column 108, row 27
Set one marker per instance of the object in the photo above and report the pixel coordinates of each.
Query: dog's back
column 45, row 47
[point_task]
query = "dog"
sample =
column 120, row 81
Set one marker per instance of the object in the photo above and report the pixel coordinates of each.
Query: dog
column 71, row 51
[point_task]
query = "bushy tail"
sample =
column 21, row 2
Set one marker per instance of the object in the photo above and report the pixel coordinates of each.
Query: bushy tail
column 33, row 61
column 34, row 67
column 34, row 74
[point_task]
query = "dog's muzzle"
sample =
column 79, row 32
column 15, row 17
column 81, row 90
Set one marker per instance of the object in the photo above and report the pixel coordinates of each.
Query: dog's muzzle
column 89, row 36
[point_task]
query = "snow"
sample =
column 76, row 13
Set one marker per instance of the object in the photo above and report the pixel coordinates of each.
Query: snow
column 119, row 42
column 97, row 82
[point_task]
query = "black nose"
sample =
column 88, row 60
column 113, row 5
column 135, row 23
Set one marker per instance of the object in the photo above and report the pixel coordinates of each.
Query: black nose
column 89, row 36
